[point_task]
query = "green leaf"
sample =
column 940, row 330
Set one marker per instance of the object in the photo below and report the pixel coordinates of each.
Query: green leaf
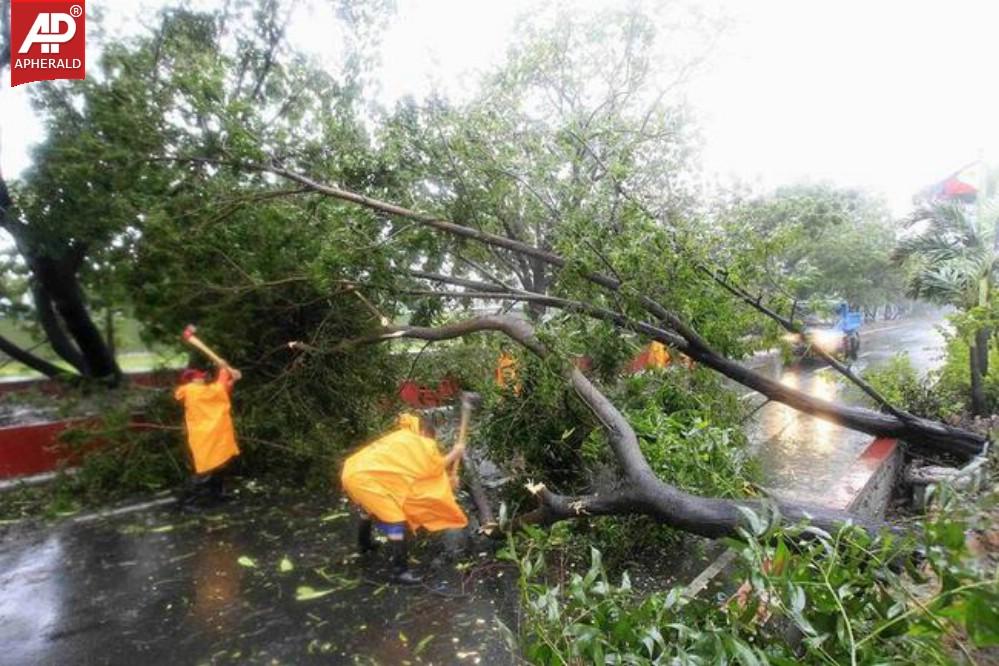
column 306, row 593
column 421, row 646
column 285, row 566
column 245, row 561
column 982, row 618
column 742, row 651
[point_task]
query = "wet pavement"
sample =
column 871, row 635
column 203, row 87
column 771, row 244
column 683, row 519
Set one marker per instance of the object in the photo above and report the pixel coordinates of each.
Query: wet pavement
column 263, row 580
column 802, row 457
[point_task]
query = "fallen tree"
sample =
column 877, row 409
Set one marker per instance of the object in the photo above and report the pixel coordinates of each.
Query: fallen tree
column 671, row 330
column 636, row 490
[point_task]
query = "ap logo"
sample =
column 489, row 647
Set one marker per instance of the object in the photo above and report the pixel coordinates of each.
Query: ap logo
column 47, row 40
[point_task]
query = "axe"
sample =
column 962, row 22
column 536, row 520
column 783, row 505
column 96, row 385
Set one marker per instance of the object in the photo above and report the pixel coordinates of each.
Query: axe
column 468, row 401
column 190, row 338
column 487, row 522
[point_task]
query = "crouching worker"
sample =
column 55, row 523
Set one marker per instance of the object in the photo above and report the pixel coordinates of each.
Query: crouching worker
column 403, row 483
column 211, row 439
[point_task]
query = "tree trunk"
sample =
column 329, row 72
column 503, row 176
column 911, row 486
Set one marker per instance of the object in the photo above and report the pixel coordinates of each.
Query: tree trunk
column 109, row 331
column 54, row 332
column 61, row 283
column 977, row 384
column 638, row 490
column 59, row 297
column 982, row 348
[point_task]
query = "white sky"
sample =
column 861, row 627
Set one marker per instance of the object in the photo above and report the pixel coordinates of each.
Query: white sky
column 889, row 95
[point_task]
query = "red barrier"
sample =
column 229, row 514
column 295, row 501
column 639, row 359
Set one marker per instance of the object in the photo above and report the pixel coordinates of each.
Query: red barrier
column 878, row 451
column 419, row 396
column 35, row 448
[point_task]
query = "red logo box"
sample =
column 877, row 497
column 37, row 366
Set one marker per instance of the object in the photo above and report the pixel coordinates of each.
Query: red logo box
column 47, row 40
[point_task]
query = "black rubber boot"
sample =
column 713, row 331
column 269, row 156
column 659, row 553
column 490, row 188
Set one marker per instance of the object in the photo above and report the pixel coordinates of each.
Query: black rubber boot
column 216, row 487
column 365, row 541
column 400, row 564
column 191, row 497
column 214, row 490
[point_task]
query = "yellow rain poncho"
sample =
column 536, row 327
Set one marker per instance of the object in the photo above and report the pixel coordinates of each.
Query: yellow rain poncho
column 400, row 478
column 210, row 434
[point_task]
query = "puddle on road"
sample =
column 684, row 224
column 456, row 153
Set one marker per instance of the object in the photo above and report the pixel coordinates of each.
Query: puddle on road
column 263, row 580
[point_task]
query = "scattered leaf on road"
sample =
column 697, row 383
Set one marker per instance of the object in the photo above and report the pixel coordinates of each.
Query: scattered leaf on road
column 306, row 593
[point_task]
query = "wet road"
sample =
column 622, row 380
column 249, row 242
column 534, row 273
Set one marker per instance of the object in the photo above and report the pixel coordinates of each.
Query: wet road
column 265, row 580
column 802, row 457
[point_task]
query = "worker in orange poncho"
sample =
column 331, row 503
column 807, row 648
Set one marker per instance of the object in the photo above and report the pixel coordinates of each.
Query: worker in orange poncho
column 401, row 480
column 211, row 439
column 506, row 373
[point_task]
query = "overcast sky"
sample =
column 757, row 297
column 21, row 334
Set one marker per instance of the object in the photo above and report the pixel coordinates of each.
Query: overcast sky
column 883, row 94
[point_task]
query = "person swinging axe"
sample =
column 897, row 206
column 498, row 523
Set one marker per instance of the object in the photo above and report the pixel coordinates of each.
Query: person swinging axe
column 211, row 438
column 403, row 483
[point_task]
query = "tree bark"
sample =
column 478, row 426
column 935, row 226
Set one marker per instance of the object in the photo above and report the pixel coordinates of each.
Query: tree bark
column 638, row 489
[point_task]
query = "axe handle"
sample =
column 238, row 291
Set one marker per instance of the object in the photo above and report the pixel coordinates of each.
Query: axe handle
column 466, row 412
column 196, row 342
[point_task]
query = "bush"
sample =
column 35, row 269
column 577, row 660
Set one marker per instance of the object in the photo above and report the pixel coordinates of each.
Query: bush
column 934, row 396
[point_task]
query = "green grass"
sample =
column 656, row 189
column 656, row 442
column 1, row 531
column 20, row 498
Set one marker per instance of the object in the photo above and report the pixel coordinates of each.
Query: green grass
column 133, row 355
column 132, row 362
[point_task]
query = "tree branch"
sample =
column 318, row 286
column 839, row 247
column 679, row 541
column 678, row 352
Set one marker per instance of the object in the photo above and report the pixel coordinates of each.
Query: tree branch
column 915, row 430
column 638, row 490
column 27, row 358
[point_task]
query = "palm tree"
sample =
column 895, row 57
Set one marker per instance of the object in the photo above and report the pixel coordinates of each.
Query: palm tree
column 953, row 260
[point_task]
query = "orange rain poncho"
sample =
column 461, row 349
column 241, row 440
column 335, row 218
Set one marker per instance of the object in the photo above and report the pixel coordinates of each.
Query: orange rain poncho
column 400, row 478
column 210, row 435
column 506, row 372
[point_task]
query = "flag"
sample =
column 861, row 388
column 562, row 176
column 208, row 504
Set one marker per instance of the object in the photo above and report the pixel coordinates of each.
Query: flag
column 962, row 185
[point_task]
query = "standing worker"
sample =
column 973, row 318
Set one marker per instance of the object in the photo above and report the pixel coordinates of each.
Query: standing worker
column 400, row 481
column 211, row 438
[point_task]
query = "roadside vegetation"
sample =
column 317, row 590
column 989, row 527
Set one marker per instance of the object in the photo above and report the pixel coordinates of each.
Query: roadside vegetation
column 799, row 595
